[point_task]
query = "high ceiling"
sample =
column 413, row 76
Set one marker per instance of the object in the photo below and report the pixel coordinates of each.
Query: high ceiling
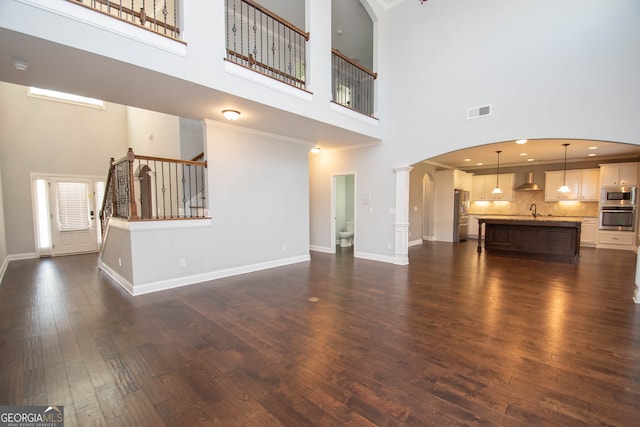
column 540, row 151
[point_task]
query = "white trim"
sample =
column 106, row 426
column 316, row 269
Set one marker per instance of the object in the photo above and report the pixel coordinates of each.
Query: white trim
column 323, row 249
column 154, row 225
column 20, row 257
column 415, row 242
column 124, row 283
column 353, row 114
column 111, row 24
column 376, row 257
column 236, row 128
column 145, row 288
column 3, row 268
column 271, row 83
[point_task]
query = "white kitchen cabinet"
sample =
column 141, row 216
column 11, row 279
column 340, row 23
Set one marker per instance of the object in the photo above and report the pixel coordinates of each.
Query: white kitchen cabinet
column 461, row 180
column 483, row 185
column 588, row 233
column 621, row 174
column 624, row 240
column 555, row 179
column 582, row 183
column 589, row 185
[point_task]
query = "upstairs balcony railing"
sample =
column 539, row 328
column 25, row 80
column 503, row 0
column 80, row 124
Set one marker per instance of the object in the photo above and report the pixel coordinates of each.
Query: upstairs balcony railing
column 159, row 16
column 353, row 84
column 154, row 188
column 264, row 42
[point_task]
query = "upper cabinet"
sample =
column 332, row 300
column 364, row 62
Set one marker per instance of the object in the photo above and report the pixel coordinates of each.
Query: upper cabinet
column 483, row 185
column 582, row 183
column 621, row 174
column 590, row 185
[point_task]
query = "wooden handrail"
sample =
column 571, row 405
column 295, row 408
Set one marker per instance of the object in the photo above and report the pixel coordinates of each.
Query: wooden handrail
column 355, row 64
column 277, row 18
column 142, row 16
column 163, row 159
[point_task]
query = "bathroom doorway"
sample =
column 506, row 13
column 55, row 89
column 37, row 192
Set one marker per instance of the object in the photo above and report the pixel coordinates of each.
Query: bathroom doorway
column 344, row 213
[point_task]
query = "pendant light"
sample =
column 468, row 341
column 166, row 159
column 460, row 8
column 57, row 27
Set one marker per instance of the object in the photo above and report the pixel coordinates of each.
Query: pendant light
column 564, row 188
column 497, row 190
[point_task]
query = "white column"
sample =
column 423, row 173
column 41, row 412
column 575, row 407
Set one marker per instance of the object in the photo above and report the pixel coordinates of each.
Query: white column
column 402, row 215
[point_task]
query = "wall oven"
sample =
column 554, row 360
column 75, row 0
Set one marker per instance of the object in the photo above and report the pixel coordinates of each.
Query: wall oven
column 620, row 218
column 618, row 196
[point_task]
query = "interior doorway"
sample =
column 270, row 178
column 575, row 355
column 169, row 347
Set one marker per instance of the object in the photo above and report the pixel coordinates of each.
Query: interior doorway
column 343, row 230
column 427, row 207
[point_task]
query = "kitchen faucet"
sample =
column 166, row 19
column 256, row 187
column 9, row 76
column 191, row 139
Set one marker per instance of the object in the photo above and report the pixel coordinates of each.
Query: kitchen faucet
column 533, row 209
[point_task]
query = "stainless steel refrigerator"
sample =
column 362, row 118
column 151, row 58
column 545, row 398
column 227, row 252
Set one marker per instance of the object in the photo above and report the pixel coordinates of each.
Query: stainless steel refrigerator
column 460, row 215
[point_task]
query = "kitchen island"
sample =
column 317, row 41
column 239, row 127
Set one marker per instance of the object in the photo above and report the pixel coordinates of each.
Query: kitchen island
column 541, row 235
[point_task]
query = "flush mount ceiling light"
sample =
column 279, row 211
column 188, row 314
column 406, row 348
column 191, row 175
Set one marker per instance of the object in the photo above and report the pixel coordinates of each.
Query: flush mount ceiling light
column 521, row 141
column 20, row 65
column 497, row 190
column 315, row 150
column 564, row 188
column 231, row 114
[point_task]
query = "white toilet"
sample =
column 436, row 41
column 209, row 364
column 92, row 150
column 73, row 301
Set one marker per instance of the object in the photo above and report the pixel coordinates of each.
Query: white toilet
column 346, row 237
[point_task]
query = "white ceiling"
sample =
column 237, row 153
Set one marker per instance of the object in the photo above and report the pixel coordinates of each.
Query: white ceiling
column 58, row 67
column 541, row 151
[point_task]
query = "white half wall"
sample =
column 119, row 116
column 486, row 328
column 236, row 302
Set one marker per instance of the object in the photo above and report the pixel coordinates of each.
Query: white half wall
column 258, row 190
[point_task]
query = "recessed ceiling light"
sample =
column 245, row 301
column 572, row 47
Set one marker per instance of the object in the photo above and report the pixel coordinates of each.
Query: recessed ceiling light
column 593, row 148
column 479, row 164
column 523, row 154
column 591, row 154
column 530, row 160
column 467, row 160
column 521, row 141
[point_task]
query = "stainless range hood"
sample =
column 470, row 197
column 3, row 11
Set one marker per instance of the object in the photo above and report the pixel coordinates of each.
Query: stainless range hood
column 529, row 185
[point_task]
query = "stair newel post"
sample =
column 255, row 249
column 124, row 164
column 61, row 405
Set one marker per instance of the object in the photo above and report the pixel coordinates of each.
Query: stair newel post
column 111, row 183
column 133, row 210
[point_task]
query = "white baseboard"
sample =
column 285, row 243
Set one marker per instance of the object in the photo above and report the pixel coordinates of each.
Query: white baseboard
column 325, row 249
column 19, row 257
column 3, row 268
column 116, row 277
column 161, row 285
column 415, row 242
column 15, row 257
column 376, row 257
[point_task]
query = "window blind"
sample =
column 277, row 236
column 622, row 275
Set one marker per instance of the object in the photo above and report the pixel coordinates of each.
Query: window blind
column 73, row 214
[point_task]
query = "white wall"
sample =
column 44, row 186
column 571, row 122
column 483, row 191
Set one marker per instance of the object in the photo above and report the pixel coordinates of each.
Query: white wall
column 3, row 242
column 550, row 70
column 258, row 191
column 153, row 134
column 191, row 138
column 44, row 136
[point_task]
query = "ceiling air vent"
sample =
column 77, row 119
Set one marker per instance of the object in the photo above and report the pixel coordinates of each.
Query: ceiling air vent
column 477, row 112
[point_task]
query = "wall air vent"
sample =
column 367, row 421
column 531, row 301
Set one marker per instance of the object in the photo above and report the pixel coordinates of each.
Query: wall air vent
column 477, row 112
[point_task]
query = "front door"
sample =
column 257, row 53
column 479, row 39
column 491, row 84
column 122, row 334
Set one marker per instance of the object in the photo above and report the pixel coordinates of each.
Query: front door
column 73, row 216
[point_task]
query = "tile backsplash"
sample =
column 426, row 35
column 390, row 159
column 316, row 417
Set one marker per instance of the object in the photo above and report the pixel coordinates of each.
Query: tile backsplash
column 522, row 200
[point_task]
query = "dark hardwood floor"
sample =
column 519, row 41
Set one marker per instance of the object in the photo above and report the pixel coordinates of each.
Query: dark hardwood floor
column 455, row 338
